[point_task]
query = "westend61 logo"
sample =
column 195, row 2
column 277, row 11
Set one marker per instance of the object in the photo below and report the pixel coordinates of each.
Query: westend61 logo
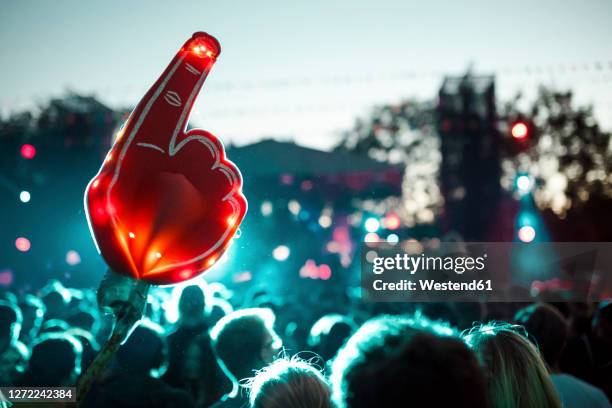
column 412, row 264
column 485, row 271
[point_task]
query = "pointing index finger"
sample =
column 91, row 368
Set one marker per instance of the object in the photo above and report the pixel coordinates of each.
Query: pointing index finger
column 163, row 112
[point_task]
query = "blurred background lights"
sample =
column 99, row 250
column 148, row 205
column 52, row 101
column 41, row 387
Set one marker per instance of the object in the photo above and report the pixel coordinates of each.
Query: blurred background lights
column 519, row 130
column 371, row 237
column 73, row 257
column 28, row 151
column 371, row 255
column 294, row 207
column 392, row 239
column 372, row 224
column 25, row 196
column 392, row 221
column 523, row 183
column 325, row 221
column 281, row 252
column 22, row 244
column 526, row 233
column 266, row 208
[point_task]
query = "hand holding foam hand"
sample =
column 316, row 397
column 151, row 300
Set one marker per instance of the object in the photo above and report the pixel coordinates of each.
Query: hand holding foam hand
column 166, row 202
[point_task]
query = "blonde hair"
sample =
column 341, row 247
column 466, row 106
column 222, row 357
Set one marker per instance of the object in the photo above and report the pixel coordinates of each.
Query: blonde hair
column 517, row 375
column 289, row 384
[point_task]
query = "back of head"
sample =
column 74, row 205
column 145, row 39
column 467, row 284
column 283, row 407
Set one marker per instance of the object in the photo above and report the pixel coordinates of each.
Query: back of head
column 549, row 329
column 239, row 339
column 10, row 323
column 144, row 350
column 192, row 302
column 393, row 361
column 517, row 375
column 289, row 384
column 55, row 361
column 329, row 333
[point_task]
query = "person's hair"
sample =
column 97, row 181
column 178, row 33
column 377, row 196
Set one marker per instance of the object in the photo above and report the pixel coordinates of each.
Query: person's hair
column 289, row 384
column 329, row 333
column 10, row 323
column 547, row 326
column 55, row 360
column 192, row 302
column 517, row 376
column 145, row 350
column 395, row 360
column 238, row 339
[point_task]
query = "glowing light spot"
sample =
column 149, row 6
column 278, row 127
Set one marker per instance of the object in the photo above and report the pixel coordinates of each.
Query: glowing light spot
column 294, row 207
column 131, row 235
column 371, row 237
column 73, row 257
column 158, row 255
column 370, row 256
column 95, row 184
column 28, row 151
column 526, row 233
column 281, row 253
column 372, row 224
column 523, row 183
column 325, row 272
column 392, row 221
column 519, row 130
column 185, row 274
column 22, row 244
column 243, row 277
column 306, row 185
column 325, row 221
column 392, row 239
column 231, row 221
column 109, row 157
column 266, row 208
column 211, row 262
column 119, row 135
column 24, row 196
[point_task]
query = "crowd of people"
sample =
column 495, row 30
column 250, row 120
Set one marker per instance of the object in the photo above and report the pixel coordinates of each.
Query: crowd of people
column 266, row 352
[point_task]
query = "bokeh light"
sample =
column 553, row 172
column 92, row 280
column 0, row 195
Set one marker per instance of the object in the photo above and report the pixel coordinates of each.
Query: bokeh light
column 526, row 233
column 523, row 183
column 25, row 196
column 281, row 253
column 22, row 244
column 73, row 257
column 392, row 221
column 372, row 224
column 519, row 130
column 28, row 151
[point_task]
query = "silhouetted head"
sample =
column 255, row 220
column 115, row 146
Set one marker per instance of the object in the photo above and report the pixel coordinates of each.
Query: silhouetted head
column 245, row 341
column 55, row 361
column 192, row 303
column 548, row 328
column 517, row 376
column 289, row 384
column 395, row 361
column 329, row 333
column 33, row 310
column 144, row 352
column 10, row 324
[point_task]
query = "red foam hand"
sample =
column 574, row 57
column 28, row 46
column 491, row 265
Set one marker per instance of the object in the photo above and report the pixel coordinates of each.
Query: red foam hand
column 166, row 203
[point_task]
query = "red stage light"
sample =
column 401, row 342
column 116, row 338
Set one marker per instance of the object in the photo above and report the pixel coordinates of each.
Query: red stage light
column 28, row 151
